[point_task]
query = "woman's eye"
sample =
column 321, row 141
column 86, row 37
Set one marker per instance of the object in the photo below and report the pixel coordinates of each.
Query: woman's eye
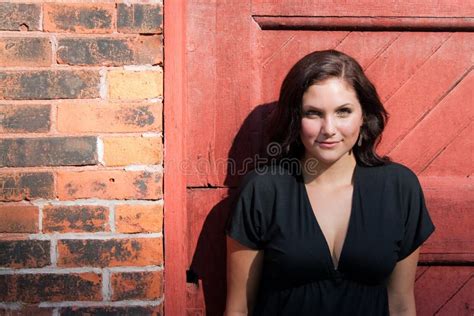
column 312, row 113
column 345, row 111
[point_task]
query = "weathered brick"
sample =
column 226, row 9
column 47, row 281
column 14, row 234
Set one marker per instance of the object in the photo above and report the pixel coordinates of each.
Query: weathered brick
column 122, row 151
column 19, row 218
column 110, row 253
column 16, row 186
column 129, row 117
column 49, row 84
column 131, row 85
column 110, row 51
column 96, row 51
column 27, row 310
column 24, row 253
column 79, row 18
column 116, row 311
column 20, row 16
column 109, row 184
column 138, row 218
column 139, row 18
column 54, row 287
column 149, row 49
column 25, row 118
column 67, row 219
column 137, row 285
column 48, row 151
column 25, row 51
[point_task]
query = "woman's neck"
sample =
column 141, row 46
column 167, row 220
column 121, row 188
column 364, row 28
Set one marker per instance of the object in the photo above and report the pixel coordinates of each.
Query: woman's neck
column 336, row 174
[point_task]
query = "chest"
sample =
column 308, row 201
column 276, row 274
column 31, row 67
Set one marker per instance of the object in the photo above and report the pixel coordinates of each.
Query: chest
column 332, row 210
column 313, row 235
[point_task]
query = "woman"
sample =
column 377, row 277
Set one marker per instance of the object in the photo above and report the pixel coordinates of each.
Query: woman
column 339, row 235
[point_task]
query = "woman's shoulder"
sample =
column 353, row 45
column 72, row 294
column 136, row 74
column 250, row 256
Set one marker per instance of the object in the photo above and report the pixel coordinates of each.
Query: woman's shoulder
column 268, row 176
column 392, row 167
column 393, row 172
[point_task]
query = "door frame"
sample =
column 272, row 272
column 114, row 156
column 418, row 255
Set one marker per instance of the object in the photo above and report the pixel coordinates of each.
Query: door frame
column 174, row 184
column 175, row 111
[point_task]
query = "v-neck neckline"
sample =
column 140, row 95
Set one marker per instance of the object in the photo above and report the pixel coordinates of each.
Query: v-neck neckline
column 309, row 207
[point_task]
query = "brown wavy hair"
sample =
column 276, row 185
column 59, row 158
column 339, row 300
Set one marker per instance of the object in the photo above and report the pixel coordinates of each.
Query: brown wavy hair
column 285, row 120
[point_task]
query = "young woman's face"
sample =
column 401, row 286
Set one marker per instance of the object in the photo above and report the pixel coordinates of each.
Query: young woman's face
column 331, row 120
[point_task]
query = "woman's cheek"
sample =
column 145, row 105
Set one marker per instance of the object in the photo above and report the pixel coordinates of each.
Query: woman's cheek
column 309, row 129
column 350, row 128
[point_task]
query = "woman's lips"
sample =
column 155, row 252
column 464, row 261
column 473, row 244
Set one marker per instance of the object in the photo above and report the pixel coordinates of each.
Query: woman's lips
column 327, row 144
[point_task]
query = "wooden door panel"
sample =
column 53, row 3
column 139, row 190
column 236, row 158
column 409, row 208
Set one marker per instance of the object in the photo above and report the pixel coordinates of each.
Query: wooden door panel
column 298, row 44
column 432, row 81
column 201, row 102
column 445, row 291
column 411, row 95
column 367, row 46
column 419, row 55
column 461, row 302
column 207, row 212
column 220, row 44
column 400, row 61
column 364, row 8
column 207, row 209
column 439, row 126
column 451, row 161
column 275, row 43
column 450, row 203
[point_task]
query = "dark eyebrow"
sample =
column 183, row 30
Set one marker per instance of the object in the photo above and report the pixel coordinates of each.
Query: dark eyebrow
column 339, row 107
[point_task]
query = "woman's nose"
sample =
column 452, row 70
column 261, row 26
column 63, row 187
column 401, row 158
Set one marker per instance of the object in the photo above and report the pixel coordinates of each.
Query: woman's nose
column 328, row 126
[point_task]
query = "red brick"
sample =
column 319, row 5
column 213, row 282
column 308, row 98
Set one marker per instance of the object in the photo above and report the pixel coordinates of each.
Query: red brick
column 109, row 184
column 27, row 310
column 110, row 51
column 68, row 219
column 138, row 218
column 139, row 18
column 20, row 16
column 49, row 84
column 134, row 85
column 24, row 253
column 39, row 287
column 129, row 117
column 110, row 253
column 25, row 118
column 19, row 218
column 79, row 18
column 149, row 49
column 16, row 186
column 132, row 150
column 48, row 151
column 137, row 285
column 25, row 51
column 108, row 310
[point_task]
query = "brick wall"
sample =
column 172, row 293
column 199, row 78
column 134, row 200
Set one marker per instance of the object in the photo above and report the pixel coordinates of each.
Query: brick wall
column 81, row 154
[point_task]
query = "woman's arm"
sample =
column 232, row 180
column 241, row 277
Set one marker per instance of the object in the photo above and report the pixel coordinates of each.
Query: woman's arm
column 401, row 294
column 244, row 267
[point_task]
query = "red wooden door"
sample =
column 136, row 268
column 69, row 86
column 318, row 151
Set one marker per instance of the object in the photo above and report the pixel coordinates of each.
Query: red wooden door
column 420, row 56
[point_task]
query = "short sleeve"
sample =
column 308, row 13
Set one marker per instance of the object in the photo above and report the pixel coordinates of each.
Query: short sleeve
column 418, row 225
column 246, row 223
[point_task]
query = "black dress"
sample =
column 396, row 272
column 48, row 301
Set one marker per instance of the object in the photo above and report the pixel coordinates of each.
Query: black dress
column 388, row 221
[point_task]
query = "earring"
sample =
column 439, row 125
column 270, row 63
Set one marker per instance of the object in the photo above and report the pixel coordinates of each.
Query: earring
column 359, row 141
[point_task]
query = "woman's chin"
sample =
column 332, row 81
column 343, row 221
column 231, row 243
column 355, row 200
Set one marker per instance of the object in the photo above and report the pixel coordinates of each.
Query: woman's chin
column 326, row 159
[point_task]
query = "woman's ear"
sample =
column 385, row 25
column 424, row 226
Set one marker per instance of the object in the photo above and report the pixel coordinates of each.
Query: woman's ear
column 364, row 119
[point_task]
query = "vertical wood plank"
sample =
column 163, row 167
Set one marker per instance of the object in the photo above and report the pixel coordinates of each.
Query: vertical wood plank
column 174, row 180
